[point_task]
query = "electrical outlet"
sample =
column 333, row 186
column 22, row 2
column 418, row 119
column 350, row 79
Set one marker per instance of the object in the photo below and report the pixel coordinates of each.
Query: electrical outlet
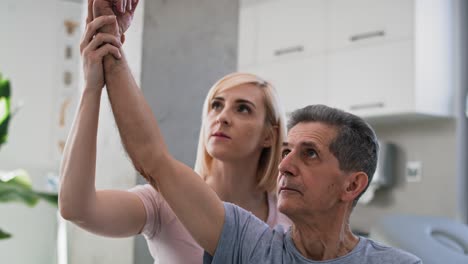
column 413, row 171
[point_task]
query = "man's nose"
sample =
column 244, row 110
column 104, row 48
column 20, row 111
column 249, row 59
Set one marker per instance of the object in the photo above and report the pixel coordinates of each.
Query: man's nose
column 287, row 165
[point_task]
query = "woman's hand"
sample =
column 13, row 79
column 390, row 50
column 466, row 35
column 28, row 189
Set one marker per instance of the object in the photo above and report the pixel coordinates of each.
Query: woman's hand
column 94, row 46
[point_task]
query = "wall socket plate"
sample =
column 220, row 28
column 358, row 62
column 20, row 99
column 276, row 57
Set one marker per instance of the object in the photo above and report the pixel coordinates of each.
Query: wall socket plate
column 413, row 171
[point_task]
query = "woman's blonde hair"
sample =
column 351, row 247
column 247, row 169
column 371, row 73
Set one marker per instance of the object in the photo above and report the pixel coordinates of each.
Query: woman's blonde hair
column 274, row 120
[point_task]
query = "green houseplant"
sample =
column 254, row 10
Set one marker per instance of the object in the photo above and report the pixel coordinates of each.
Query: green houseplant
column 15, row 186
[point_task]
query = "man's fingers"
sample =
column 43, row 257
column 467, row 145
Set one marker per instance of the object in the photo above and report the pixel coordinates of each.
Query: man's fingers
column 134, row 4
column 124, row 5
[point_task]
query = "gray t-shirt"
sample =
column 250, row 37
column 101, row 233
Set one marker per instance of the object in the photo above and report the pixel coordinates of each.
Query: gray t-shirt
column 247, row 239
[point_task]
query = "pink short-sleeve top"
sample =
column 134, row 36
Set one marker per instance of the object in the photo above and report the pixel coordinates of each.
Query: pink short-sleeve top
column 168, row 240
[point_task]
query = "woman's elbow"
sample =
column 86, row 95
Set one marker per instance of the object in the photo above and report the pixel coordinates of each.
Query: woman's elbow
column 66, row 211
column 70, row 209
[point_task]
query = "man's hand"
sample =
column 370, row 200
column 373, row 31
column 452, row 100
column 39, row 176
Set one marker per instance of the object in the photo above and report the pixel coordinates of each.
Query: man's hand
column 122, row 9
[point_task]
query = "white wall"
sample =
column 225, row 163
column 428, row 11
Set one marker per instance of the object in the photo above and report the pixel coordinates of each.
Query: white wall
column 28, row 51
column 32, row 49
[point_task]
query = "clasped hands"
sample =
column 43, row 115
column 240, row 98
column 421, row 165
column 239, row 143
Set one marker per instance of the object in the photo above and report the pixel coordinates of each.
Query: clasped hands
column 106, row 24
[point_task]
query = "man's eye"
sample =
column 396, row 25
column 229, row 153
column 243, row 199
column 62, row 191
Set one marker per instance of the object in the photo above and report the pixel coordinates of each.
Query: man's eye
column 284, row 153
column 311, row 153
column 243, row 109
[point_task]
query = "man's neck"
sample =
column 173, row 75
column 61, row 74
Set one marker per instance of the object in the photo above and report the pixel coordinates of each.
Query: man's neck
column 324, row 237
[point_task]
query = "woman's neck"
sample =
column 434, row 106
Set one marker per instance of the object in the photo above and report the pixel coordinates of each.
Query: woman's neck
column 236, row 182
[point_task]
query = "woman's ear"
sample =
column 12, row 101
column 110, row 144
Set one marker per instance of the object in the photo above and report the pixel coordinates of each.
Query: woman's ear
column 270, row 136
column 355, row 184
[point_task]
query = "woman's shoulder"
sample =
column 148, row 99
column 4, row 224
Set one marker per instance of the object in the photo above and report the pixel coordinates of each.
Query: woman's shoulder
column 275, row 217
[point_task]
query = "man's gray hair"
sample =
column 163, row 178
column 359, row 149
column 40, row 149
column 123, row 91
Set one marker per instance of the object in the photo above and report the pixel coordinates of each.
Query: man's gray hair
column 355, row 145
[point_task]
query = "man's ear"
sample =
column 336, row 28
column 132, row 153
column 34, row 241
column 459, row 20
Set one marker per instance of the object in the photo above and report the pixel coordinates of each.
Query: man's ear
column 355, row 183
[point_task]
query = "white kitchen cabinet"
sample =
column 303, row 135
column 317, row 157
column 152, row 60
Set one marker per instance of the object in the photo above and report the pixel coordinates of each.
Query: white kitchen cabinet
column 284, row 41
column 405, row 72
column 375, row 58
column 299, row 82
column 368, row 22
column 289, row 29
column 376, row 80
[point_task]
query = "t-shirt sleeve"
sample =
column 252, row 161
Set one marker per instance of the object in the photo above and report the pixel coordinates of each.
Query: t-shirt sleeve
column 158, row 212
column 242, row 232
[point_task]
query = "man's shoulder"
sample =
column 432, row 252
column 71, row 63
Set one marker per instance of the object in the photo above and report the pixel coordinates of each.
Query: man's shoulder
column 383, row 253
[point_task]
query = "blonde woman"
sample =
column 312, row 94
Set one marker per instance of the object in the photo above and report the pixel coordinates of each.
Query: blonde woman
column 238, row 155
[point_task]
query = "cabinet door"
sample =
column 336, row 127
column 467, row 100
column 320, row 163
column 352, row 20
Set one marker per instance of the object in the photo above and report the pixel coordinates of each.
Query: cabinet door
column 298, row 82
column 366, row 22
column 290, row 29
column 374, row 81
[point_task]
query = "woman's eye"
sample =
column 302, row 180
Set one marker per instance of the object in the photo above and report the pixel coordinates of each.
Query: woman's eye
column 244, row 109
column 284, row 153
column 215, row 105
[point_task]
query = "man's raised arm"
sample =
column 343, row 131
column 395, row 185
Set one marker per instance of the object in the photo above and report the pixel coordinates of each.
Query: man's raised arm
column 196, row 205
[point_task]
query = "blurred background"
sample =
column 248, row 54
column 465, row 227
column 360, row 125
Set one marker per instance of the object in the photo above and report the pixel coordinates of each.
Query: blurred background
column 400, row 64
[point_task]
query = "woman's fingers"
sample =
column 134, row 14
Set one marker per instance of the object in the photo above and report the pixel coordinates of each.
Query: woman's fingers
column 93, row 27
column 89, row 17
column 108, row 49
column 96, row 56
column 100, row 46
column 102, row 38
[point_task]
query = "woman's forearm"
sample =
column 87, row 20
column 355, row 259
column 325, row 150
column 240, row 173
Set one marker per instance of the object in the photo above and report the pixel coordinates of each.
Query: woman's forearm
column 77, row 186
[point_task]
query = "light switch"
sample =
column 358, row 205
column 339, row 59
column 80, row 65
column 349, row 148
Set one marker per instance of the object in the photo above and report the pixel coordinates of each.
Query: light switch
column 413, row 171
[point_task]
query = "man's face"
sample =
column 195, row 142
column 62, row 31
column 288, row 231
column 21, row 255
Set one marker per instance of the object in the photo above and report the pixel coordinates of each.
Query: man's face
column 310, row 180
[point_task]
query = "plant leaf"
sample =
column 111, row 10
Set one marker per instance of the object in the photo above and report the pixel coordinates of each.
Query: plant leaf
column 5, row 111
column 4, row 235
column 51, row 198
column 15, row 186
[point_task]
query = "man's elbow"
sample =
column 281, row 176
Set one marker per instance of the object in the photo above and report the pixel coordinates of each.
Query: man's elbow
column 151, row 163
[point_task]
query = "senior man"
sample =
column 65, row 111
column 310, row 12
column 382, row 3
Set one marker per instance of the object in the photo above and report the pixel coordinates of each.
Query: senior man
column 327, row 163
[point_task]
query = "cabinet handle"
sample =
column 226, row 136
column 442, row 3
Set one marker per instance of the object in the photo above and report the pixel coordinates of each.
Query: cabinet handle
column 367, row 35
column 367, row 106
column 294, row 49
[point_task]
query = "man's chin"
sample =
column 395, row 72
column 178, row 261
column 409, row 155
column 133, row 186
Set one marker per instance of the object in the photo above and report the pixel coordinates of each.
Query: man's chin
column 284, row 206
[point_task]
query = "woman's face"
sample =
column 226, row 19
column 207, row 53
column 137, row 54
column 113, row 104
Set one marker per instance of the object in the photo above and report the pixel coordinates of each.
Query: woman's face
column 235, row 128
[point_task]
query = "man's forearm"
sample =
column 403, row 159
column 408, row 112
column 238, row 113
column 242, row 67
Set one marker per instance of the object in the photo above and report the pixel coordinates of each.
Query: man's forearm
column 136, row 123
column 199, row 208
